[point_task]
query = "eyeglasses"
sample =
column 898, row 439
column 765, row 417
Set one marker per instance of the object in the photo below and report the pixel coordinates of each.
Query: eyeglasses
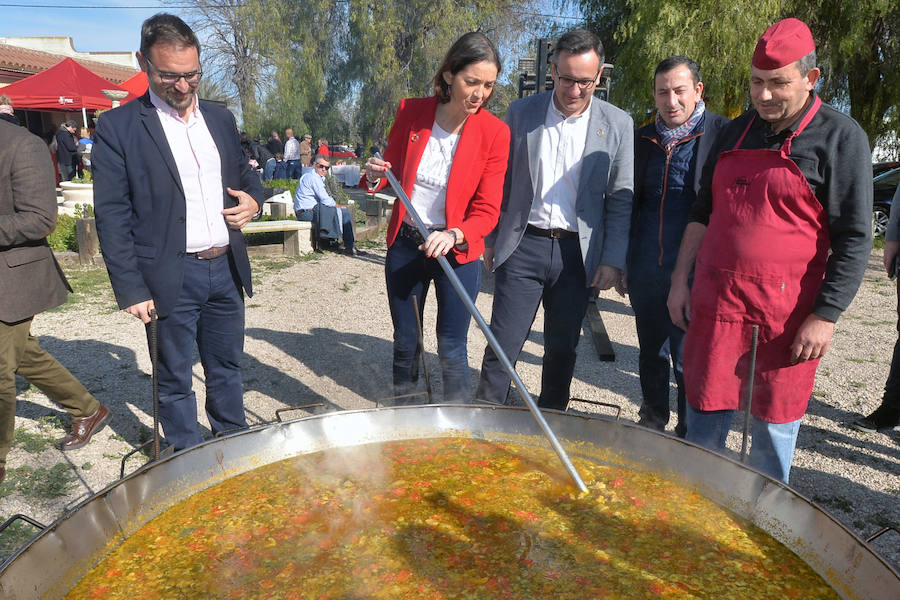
column 318, row 166
column 581, row 83
column 191, row 77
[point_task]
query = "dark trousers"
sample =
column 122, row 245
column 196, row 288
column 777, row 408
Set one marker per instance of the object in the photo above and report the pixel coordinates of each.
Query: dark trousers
column 409, row 274
column 541, row 270
column 892, row 386
column 660, row 342
column 21, row 354
column 293, row 169
column 346, row 223
column 210, row 311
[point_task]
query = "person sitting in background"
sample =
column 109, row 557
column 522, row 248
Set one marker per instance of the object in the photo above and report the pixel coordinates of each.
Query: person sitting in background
column 312, row 203
column 279, row 170
column 84, row 150
column 6, row 110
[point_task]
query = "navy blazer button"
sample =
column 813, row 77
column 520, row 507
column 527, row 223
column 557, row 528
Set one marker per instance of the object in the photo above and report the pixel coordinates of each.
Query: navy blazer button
column 180, row 254
column 181, row 219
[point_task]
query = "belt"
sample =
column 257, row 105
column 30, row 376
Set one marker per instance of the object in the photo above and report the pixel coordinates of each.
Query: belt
column 209, row 253
column 411, row 233
column 303, row 211
column 561, row 234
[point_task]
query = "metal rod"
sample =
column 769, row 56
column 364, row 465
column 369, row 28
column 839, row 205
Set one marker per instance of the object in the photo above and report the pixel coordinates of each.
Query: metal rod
column 492, row 341
column 749, row 403
column 154, row 363
column 421, row 342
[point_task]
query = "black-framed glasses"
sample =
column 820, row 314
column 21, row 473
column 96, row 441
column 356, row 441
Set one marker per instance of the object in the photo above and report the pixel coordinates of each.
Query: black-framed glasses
column 321, row 166
column 569, row 81
column 191, row 77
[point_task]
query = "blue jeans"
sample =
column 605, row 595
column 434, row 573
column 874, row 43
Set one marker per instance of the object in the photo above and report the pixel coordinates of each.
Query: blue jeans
column 210, row 311
column 541, row 270
column 409, row 274
column 269, row 170
column 293, row 169
column 660, row 342
column 772, row 447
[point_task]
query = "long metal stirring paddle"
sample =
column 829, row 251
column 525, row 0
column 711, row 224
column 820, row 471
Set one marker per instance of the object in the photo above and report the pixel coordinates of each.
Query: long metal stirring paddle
column 464, row 296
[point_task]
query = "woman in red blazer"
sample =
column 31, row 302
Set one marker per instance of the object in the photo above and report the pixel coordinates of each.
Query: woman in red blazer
column 450, row 154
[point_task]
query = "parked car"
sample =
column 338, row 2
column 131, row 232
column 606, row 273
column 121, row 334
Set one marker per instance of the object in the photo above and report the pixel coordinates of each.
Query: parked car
column 341, row 151
column 885, row 184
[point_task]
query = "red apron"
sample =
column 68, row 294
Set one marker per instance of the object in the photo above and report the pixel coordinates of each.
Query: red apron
column 762, row 262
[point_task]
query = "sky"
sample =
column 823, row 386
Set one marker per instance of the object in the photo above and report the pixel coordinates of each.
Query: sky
column 101, row 25
column 94, row 25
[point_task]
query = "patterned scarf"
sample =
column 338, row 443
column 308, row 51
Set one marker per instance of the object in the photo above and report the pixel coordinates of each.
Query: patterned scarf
column 671, row 137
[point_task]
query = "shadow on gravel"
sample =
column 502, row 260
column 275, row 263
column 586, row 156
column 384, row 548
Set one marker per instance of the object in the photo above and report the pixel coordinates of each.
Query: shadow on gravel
column 860, row 509
column 358, row 362
column 877, row 450
column 104, row 369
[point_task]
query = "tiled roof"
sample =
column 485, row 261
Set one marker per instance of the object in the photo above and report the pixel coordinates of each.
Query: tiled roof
column 28, row 61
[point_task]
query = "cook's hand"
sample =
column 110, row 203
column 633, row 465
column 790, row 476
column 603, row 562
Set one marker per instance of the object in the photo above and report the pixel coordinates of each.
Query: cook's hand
column 812, row 339
column 890, row 253
column 488, row 257
column 606, row 277
column 375, row 168
column 141, row 310
column 679, row 304
column 238, row 216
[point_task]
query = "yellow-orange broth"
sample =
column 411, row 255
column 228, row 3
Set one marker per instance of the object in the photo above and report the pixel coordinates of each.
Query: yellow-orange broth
column 447, row 518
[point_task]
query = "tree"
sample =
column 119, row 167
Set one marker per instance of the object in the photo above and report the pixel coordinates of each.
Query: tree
column 859, row 50
column 232, row 43
column 395, row 47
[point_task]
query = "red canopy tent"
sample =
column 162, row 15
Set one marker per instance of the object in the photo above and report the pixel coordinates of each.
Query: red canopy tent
column 136, row 85
column 66, row 86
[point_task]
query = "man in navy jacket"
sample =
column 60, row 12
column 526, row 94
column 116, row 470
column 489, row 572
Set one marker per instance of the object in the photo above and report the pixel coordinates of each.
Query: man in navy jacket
column 669, row 155
column 172, row 191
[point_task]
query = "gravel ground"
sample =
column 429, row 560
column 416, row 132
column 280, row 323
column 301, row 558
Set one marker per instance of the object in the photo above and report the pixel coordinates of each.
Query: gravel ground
column 318, row 330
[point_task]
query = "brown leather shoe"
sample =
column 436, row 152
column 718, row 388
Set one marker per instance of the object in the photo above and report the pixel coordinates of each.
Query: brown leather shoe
column 84, row 428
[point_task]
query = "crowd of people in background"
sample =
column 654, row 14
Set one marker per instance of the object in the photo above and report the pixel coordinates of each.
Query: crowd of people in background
column 289, row 158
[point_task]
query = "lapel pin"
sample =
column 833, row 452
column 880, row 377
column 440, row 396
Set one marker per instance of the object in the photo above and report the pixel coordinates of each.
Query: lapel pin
column 601, row 133
column 414, row 137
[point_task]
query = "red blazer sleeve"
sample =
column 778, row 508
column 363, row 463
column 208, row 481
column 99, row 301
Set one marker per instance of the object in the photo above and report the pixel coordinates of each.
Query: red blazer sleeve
column 475, row 189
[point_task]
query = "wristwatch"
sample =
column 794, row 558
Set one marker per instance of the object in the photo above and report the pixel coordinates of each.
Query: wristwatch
column 453, row 233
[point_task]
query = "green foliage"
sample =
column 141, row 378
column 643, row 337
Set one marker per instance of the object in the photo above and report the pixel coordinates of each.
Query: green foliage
column 64, row 236
column 17, row 534
column 285, row 184
column 41, row 482
column 86, row 178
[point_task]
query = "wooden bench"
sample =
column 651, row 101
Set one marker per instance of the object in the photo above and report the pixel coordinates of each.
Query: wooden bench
column 295, row 242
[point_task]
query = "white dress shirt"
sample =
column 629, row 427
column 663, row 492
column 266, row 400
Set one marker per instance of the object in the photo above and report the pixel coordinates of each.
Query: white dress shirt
column 292, row 149
column 200, row 171
column 429, row 193
column 559, row 170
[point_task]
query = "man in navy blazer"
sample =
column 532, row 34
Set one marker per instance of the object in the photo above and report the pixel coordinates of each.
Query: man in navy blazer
column 669, row 155
column 172, row 191
column 564, row 219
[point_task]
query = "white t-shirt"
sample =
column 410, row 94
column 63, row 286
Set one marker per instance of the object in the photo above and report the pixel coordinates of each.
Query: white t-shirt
column 429, row 194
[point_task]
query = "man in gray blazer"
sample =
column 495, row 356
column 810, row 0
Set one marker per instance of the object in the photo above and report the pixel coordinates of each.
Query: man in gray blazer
column 564, row 220
column 31, row 282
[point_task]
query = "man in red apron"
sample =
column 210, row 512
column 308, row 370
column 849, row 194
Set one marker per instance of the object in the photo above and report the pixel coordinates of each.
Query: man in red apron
column 780, row 234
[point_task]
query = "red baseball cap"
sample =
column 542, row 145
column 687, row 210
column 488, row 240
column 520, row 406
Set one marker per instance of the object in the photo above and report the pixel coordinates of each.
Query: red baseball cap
column 783, row 43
